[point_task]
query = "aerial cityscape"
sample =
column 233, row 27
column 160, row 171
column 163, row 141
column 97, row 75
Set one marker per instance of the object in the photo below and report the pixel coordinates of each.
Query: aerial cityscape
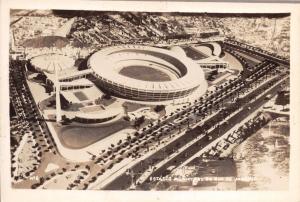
column 107, row 100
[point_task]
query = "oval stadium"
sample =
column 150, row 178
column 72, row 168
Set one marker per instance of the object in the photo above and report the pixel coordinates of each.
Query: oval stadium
column 146, row 73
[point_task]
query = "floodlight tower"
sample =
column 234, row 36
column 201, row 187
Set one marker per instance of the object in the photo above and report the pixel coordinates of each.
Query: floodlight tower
column 57, row 92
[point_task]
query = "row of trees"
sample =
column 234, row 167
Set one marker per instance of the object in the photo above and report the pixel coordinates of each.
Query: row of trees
column 144, row 138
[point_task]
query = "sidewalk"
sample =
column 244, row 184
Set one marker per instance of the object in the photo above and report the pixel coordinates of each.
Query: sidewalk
column 119, row 169
column 226, row 134
column 148, row 172
column 219, row 139
column 82, row 155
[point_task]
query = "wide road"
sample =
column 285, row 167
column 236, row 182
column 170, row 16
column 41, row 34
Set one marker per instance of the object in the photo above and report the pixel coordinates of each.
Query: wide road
column 252, row 52
column 124, row 181
column 217, row 132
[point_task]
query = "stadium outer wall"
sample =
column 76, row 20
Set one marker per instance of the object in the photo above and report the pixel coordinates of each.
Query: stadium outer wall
column 103, row 65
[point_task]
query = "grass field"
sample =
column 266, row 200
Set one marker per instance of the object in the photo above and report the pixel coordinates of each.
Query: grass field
column 130, row 106
column 233, row 62
column 144, row 73
column 81, row 96
column 76, row 137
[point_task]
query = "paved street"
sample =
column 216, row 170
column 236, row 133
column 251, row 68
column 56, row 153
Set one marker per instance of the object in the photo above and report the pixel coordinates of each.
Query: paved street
column 108, row 102
column 161, row 154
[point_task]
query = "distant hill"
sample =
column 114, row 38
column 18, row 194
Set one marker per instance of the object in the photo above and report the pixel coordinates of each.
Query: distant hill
column 46, row 41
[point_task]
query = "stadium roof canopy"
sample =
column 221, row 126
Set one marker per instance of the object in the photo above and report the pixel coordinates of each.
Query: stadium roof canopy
column 104, row 63
column 49, row 62
column 101, row 114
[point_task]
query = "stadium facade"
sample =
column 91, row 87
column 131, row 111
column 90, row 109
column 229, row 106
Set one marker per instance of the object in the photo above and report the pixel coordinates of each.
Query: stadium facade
column 185, row 75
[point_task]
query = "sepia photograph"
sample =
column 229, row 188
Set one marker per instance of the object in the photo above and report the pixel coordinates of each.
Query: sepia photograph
column 149, row 100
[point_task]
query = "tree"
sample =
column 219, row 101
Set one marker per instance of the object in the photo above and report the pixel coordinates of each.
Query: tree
column 139, row 121
column 136, row 134
column 159, row 108
column 126, row 118
column 282, row 99
column 98, row 101
column 106, row 96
